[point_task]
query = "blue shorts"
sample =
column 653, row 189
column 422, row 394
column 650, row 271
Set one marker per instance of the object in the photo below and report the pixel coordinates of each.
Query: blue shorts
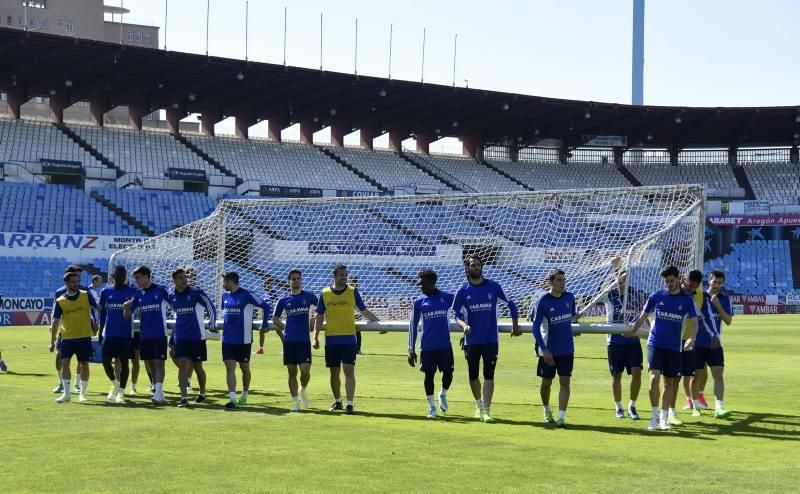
column 153, row 348
column 117, row 347
column 563, row 366
column 439, row 358
column 78, row 347
column 688, row 362
column 336, row 355
column 713, row 357
column 664, row 360
column 194, row 350
column 297, row 352
column 137, row 338
column 624, row 358
column 239, row 352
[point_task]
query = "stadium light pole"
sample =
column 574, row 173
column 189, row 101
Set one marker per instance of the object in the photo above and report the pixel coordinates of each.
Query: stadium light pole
column 422, row 74
column 246, row 25
column 166, row 13
column 285, row 14
column 637, row 62
column 355, row 63
column 320, row 41
column 455, row 52
column 391, row 32
column 208, row 14
column 121, row 19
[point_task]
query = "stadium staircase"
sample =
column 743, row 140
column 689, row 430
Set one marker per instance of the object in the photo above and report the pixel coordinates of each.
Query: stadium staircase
column 92, row 270
column 400, row 276
column 428, row 172
column 208, row 159
column 629, row 176
column 330, row 154
column 105, row 202
column 794, row 251
column 744, row 182
column 397, row 226
column 89, row 149
column 503, row 173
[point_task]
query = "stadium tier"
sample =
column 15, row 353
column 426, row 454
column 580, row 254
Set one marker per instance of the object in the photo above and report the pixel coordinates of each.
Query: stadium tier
column 24, row 142
column 161, row 211
column 713, row 176
column 39, row 277
column 778, row 183
column 44, row 208
column 476, row 176
column 391, row 170
column 554, row 176
column 148, row 153
column 278, row 163
column 757, row 267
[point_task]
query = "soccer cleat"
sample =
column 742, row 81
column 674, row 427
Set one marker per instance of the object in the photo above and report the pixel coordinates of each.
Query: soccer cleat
column 653, row 425
column 158, row 399
column 260, row 351
column 120, row 399
column 548, row 418
column 152, row 388
column 76, row 387
column 295, row 407
column 696, row 413
column 200, row 399
column 561, row 423
column 3, row 366
column 112, row 394
column 431, row 412
column 442, row 402
column 133, row 390
column 721, row 414
column 337, row 405
column 183, row 403
column 663, row 426
column 231, row 405
column 478, row 413
column 674, row 421
column 703, row 404
column 59, row 388
column 242, row 400
column 82, row 398
column 689, row 405
column 349, row 410
column 64, row 398
column 620, row 414
column 486, row 418
column 632, row 413
column 304, row 399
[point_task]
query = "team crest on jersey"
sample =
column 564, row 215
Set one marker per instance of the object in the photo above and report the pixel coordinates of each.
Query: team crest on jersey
column 288, row 306
column 489, row 296
column 680, row 307
column 441, row 300
column 469, row 297
column 552, row 309
column 566, row 305
column 661, row 303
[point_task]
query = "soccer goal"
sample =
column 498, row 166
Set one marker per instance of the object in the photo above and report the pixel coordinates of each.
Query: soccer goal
column 386, row 240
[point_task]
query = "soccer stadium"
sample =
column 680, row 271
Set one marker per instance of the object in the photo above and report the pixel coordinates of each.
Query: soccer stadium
column 244, row 246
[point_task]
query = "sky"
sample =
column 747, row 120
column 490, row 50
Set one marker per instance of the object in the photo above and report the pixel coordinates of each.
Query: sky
column 697, row 53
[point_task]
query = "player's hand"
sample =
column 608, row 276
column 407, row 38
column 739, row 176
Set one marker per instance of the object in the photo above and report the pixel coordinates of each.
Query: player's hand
column 316, row 344
column 715, row 343
column 467, row 329
column 689, row 345
column 51, row 347
column 548, row 358
column 515, row 331
column 412, row 359
column 128, row 303
column 629, row 332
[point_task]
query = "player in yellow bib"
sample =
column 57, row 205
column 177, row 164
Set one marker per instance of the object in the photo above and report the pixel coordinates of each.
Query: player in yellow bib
column 72, row 312
column 337, row 305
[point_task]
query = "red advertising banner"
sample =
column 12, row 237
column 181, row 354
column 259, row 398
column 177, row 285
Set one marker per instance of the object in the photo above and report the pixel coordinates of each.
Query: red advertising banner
column 764, row 309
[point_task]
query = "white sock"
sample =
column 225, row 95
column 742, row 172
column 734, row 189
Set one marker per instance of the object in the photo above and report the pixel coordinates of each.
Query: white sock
column 302, row 390
column 338, row 400
column 349, row 403
column 696, row 404
column 562, row 414
column 655, row 412
column 619, row 405
column 547, row 409
column 294, row 398
column 664, row 415
column 159, row 389
column 244, row 393
column 443, row 392
column 115, row 383
column 232, row 395
column 671, row 412
column 718, row 404
column 66, row 383
column 487, row 409
column 430, row 400
column 632, row 404
column 479, row 404
column 84, row 387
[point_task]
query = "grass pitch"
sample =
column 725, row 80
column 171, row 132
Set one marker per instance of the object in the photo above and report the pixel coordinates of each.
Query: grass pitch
column 390, row 445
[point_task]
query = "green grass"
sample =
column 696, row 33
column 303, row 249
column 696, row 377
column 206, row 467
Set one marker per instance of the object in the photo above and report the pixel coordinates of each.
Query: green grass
column 390, row 446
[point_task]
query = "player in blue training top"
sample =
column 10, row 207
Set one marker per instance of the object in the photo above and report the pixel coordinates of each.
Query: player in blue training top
column 238, row 308
column 296, row 336
column 672, row 307
column 151, row 301
column 624, row 354
column 717, row 311
column 189, row 304
column 116, row 332
column 475, row 307
column 268, row 299
column 436, row 351
column 552, row 329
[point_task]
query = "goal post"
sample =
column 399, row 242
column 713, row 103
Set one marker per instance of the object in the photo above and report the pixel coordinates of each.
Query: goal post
column 386, row 240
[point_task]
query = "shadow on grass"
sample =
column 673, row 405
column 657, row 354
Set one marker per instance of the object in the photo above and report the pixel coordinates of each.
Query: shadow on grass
column 26, row 374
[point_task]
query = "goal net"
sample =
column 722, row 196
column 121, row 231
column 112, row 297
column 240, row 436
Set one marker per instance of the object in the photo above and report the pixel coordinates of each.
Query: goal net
column 385, row 241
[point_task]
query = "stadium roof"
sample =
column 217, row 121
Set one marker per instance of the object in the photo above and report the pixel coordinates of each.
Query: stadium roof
column 40, row 63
